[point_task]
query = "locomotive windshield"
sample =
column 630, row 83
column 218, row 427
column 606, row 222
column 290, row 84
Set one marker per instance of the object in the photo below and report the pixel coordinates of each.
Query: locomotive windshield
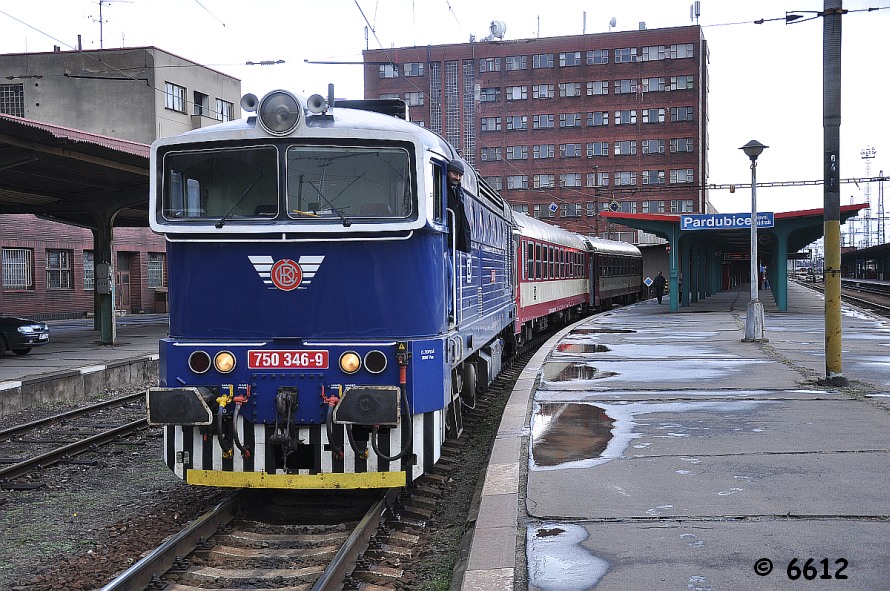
column 322, row 184
column 345, row 182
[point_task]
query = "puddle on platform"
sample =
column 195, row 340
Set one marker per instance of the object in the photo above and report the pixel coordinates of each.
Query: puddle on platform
column 571, row 372
column 581, row 348
column 568, row 432
column 601, row 331
column 557, row 559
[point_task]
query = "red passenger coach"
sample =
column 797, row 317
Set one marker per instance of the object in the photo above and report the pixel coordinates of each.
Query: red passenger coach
column 560, row 275
column 616, row 270
column 552, row 276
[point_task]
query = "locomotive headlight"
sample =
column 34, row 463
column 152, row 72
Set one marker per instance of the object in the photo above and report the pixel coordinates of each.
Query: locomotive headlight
column 224, row 362
column 375, row 361
column 279, row 112
column 199, row 361
column 350, row 362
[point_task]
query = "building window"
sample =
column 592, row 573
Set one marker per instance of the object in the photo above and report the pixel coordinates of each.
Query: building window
column 517, row 122
column 570, row 89
column 597, row 87
column 653, row 177
column 490, row 64
column 18, row 268
column 570, row 210
column 414, row 99
column 516, row 93
column 388, row 71
column 681, row 50
column 202, row 104
column 155, row 269
column 58, row 269
column 653, row 53
column 543, row 181
column 520, row 207
column 543, row 121
column 490, row 95
column 225, row 111
column 597, row 56
column 626, row 117
column 570, row 119
column 683, row 175
column 681, row 144
column 413, row 69
column 517, row 181
column 89, row 271
column 389, row 95
column 653, row 206
column 517, row 62
column 625, row 178
column 682, row 114
column 597, row 118
column 681, row 206
column 653, row 146
column 495, row 182
column 542, row 91
column 570, row 179
column 517, row 152
column 597, row 149
column 681, row 82
column 491, row 124
column 544, row 151
column 12, row 99
column 542, row 60
column 626, row 148
column 174, row 97
column 597, row 179
column 625, row 86
column 569, row 150
column 653, row 115
column 625, row 55
column 652, row 84
column 571, row 58
column 490, row 154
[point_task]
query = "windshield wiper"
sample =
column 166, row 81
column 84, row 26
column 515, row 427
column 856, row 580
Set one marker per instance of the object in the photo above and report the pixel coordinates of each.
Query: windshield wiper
column 222, row 220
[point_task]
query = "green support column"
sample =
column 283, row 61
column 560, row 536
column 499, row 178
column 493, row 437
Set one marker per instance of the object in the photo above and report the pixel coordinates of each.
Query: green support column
column 685, row 275
column 780, row 284
column 674, row 240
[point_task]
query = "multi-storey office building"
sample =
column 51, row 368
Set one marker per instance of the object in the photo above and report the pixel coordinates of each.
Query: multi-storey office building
column 566, row 127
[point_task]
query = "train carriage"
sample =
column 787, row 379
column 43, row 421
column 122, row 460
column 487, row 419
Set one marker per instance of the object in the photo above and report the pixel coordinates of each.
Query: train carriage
column 615, row 271
column 322, row 324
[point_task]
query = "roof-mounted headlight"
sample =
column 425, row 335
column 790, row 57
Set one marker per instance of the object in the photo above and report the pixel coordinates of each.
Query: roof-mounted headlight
column 279, row 112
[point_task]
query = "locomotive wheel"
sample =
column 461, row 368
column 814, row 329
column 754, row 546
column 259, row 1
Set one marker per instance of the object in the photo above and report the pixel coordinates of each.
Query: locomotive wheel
column 468, row 392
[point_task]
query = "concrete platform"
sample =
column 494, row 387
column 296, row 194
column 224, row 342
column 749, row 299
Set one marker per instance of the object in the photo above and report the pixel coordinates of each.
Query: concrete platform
column 74, row 363
column 647, row 450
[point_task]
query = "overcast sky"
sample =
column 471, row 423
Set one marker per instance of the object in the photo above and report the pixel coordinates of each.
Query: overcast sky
column 766, row 79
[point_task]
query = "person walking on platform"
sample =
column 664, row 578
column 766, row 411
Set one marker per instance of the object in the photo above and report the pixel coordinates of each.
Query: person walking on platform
column 659, row 284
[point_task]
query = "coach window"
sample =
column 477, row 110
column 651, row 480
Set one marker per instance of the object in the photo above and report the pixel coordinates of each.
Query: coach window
column 538, row 270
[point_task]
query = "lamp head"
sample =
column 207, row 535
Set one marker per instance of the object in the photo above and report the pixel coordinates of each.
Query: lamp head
column 753, row 149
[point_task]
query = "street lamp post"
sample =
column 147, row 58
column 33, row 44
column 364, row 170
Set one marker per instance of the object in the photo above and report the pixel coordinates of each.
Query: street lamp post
column 754, row 317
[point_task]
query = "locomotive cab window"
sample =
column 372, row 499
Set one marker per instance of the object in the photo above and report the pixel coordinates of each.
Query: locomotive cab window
column 339, row 182
column 219, row 184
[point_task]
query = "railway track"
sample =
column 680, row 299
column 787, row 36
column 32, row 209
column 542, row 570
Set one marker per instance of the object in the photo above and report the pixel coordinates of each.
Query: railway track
column 868, row 299
column 31, row 447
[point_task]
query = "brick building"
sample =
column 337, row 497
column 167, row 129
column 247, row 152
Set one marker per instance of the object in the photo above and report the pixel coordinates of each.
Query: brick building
column 566, row 127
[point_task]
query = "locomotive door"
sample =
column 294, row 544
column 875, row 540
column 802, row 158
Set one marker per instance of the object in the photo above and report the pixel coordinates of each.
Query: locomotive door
column 443, row 216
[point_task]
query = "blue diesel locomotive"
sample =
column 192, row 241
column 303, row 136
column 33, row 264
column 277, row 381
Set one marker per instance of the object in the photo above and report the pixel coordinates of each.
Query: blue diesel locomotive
column 323, row 326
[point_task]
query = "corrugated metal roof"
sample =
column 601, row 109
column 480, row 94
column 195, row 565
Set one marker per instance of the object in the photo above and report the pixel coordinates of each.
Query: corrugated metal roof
column 75, row 135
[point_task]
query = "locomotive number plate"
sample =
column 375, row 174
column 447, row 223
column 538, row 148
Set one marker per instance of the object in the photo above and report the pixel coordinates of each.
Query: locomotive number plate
column 306, row 359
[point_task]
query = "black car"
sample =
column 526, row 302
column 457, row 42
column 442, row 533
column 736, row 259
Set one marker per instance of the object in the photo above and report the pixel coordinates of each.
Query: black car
column 19, row 334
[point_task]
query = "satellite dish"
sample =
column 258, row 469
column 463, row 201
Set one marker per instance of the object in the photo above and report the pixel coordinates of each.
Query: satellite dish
column 497, row 29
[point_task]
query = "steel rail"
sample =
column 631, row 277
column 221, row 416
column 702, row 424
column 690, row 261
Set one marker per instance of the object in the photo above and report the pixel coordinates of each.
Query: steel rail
column 72, row 449
column 19, row 429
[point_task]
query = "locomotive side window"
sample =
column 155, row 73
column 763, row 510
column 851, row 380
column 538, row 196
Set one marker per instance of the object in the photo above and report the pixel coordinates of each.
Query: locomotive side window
column 337, row 182
column 220, row 184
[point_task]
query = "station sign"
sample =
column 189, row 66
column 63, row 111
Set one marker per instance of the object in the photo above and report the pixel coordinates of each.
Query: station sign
column 725, row 221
